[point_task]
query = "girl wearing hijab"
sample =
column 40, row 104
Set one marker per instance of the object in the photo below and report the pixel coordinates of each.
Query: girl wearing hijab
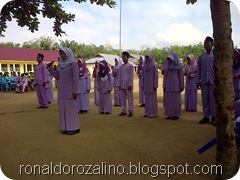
column 149, row 85
column 95, row 76
column 105, row 86
column 173, row 85
column 67, row 74
column 236, row 72
column 191, row 93
column 84, row 86
column 162, row 71
column 117, row 95
column 139, row 74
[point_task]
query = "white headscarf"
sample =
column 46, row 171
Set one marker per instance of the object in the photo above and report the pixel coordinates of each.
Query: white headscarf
column 120, row 62
column 70, row 57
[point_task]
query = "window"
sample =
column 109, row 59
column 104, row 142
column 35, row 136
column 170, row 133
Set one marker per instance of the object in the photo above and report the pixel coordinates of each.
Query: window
column 29, row 67
column 11, row 67
column 4, row 67
column 17, row 67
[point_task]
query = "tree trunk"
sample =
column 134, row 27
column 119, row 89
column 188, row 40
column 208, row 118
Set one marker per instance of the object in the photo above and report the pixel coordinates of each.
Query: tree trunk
column 224, row 94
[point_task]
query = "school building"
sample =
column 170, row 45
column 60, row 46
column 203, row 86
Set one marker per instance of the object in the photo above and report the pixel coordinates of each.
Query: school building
column 23, row 60
column 110, row 58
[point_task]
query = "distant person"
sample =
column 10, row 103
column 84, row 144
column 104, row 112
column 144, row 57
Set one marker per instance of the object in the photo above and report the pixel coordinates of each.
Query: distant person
column 173, row 85
column 236, row 72
column 84, row 87
column 191, row 92
column 21, row 85
column 139, row 74
column 115, row 73
column 49, row 88
column 5, row 83
column 105, row 86
column 205, row 81
column 95, row 76
column 67, row 74
column 237, row 106
column 149, row 85
column 126, row 73
column 163, row 70
column 40, row 81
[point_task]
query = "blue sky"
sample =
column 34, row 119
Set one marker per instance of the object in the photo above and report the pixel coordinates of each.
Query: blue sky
column 152, row 23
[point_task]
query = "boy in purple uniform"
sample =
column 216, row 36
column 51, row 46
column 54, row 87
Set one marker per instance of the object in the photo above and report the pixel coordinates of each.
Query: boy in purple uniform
column 40, row 81
column 105, row 86
column 67, row 74
column 205, row 81
column 149, row 85
column 236, row 72
column 126, row 85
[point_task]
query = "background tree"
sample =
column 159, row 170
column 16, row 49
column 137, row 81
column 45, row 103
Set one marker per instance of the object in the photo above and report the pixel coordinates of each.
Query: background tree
column 26, row 13
column 43, row 43
column 223, row 91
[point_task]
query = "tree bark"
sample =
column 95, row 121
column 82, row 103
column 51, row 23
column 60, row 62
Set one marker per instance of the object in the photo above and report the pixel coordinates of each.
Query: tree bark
column 224, row 95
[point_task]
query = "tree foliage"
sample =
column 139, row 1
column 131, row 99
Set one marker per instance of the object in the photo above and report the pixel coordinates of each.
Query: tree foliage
column 87, row 51
column 27, row 12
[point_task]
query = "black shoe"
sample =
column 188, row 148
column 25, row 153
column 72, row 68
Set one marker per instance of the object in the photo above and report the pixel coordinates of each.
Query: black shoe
column 122, row 114
column 213, row 121
column 63, row 132
column 145, row 116
column 204, row 120
column 130, row 114
column 107, row 113
column 40, row 107
column 175, row 118
column 101, row 112
column 142, row 105
column 45, row 107
column 73, row 132
column 169, row 118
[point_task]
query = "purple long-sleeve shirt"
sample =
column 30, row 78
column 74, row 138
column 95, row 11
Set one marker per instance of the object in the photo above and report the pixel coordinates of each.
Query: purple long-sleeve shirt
column 173, row 80
column 41, row 73
column 67, row 80
column 126, row 72
column 149, row 80
column 205, row 72
column 105, row 86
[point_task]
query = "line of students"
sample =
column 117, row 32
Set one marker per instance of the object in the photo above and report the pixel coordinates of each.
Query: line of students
column 70, row 74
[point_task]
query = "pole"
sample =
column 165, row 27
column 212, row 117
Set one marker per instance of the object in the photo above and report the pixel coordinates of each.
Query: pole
column 120, row 28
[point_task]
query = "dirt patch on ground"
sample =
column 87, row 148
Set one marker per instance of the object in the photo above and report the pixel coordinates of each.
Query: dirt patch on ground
column 30, row 136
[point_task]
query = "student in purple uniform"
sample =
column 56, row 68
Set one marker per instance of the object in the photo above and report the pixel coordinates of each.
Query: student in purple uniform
column 84, row 87
column 23, row 82
column 40, row 81
column 126, row 85
column 163, row 70
column 49, row 88
column 67, row 74
column 191, row 93
column 173, row 85
column 205, row 81
column 139, row 74
column 105, row 86
column 236, row 72
column 95, row 76
column 149, row 85
column 115, row 73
